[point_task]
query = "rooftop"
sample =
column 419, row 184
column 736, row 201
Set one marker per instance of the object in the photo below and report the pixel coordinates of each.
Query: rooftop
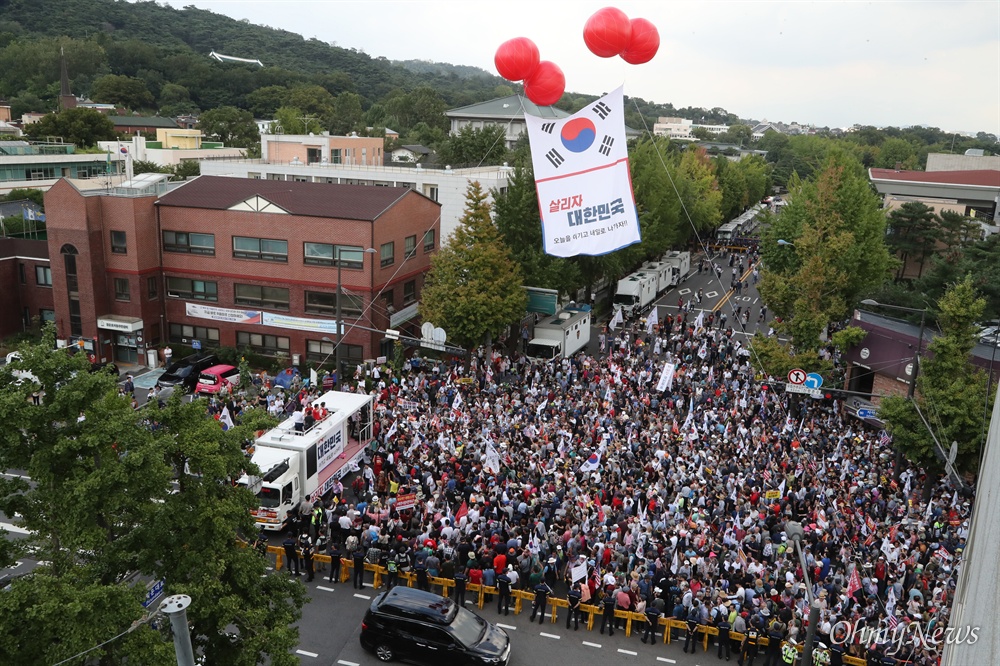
column 142, row 121
column 348, row 202
column 975, row 178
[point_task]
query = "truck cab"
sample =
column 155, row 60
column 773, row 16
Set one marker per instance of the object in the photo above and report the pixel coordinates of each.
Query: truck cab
column 279, row 492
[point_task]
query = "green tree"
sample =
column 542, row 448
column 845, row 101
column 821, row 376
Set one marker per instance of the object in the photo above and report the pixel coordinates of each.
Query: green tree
column 146, row 166
column 474, row 288
column 263, row 102
column 100, row 507
column 950, row 392
column 347, row 113
column 912, row 234
column 125, row 91
column 837, row 228
column 520, row 226
column 19, row 193
column 234, row 127
column 290, row 120
column 475, row 146
column 84, row 127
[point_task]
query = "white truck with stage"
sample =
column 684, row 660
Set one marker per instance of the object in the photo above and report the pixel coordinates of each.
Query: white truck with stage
column 680, row 266
column 561, row 335
column 635, row 292
column 297, row 465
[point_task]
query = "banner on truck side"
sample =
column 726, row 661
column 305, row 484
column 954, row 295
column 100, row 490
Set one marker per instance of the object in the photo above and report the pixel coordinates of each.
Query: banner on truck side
column 582, row 177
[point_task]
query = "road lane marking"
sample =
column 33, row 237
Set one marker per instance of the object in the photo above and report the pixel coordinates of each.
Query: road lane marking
column 344, row 662
column 363, row 596
column 325, row 589
column 507, row 626
column 593, row 645
column 17, row 529
column 669, row 661
column 542, row 633
column 306, row 654
column 628, row 652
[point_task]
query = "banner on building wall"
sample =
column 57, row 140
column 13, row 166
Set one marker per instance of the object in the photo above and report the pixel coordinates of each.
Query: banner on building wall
column 582, row 176
column 300, row 323
column 222, row 314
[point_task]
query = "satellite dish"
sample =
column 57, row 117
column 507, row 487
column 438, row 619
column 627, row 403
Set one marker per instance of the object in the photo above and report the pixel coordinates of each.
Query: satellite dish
column 439, row 336
column 254, row 484
column 427, row 330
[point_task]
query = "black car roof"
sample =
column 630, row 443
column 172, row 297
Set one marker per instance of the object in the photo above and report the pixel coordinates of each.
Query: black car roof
column 411, row 602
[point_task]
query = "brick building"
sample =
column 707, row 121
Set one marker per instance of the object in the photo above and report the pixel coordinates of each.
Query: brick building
column 27, row 280
column 237, row 262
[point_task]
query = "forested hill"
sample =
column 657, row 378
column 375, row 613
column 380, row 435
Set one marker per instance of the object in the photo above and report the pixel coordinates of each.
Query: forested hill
column 145, row 38
column 163, row 52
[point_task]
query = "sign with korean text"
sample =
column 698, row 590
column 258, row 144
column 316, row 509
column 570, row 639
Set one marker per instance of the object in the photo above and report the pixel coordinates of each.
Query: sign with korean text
column 300, row 323
column 582, row 176
column 222, row 314
column 329, row 448
column 406, row 501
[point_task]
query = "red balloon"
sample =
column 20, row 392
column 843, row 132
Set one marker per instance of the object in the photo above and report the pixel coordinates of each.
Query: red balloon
column 644, row 44
column 607, row 32
column 546, row 85
column 516, row 59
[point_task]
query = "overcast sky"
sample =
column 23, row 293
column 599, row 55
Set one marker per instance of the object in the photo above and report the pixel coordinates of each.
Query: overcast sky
column 826, row 63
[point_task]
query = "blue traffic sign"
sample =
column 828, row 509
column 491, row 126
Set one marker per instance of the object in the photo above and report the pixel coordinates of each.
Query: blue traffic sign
column 154, row 591
column 813, row 380
column 196, row 344
column 866, row 413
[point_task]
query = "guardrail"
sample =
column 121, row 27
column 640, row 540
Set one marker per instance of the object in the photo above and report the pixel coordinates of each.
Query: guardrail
column 523, row 599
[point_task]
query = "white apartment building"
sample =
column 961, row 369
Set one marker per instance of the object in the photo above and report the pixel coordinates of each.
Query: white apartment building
column 682, row 128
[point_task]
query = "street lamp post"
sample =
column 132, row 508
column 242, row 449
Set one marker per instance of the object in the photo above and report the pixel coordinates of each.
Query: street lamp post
column 340, row 324
column 795, row 532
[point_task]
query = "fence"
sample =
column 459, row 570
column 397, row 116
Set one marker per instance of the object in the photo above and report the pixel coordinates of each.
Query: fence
column 524, row 599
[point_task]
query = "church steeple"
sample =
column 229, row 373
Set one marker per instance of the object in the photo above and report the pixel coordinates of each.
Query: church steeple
column 67, row 100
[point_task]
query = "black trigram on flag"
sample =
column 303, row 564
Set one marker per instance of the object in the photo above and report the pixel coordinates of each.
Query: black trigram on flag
column 555, row 158
column 548, row 127
column 602, row 109
column 605, row 148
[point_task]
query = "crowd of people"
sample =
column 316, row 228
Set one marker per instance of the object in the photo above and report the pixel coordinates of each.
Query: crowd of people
column 590, row 479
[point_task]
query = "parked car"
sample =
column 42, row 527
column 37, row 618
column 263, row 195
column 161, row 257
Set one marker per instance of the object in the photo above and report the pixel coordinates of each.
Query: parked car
column 424, row 628
column 211, row 380
column 185, row 372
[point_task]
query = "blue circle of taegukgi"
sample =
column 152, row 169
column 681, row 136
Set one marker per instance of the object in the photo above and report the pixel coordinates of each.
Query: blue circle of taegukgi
column 578, row 135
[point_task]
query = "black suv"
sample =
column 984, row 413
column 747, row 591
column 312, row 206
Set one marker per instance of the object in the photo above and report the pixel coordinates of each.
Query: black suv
column 424, row 628
column 185, row 371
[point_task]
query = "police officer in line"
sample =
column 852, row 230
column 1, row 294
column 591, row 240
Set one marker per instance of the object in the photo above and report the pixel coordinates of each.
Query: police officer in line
column 723, row 626
column 542, row 592
column 503, row 598
column 608, row 618
column 748, row 649
column 693, row 618
column 460, row 579
column 290, row 555
column 788, row 652
column 652, row 619
column 306, row 548
column 335, row 556
column 775, row 635
column 574, row 597
column 392, row 570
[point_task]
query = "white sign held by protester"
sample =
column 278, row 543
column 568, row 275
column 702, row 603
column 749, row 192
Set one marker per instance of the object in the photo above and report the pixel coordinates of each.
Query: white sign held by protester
column 666, row 377
column 582, row 176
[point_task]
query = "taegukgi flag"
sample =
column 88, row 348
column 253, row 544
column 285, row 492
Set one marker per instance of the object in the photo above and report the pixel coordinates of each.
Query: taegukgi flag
column 582, row 176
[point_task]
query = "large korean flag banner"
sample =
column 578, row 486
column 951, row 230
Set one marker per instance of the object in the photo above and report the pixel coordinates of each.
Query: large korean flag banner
column 582, row 176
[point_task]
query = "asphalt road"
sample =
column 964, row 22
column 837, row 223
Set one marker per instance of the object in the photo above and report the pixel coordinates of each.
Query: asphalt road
column 331, row 624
